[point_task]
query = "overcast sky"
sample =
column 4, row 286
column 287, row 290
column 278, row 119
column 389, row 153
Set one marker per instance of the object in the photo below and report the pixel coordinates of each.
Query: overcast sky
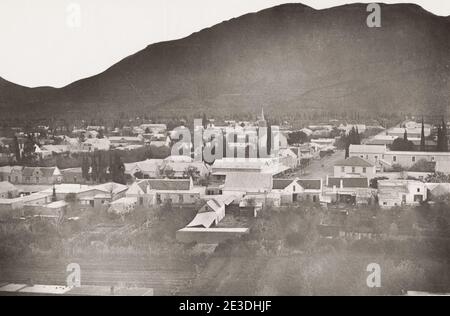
column 55, row 42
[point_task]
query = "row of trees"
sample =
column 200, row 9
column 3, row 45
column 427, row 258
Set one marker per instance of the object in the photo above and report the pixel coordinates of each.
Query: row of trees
column 103, row 166
column 353, row 138
column 403, row 144
column 442, row 138
column 26, row 155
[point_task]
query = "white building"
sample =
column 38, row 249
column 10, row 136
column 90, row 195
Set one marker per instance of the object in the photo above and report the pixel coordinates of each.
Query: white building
column 407, row 159
column 355, row 166
column 159, row 191
column 371, row 153
column 295, row 190
column 392, row 193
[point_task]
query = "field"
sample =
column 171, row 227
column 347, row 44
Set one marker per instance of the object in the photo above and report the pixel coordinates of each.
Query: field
column 283, row 255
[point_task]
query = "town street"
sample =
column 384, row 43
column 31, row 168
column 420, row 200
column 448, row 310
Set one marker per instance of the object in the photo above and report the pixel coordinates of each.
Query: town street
column 320, row 168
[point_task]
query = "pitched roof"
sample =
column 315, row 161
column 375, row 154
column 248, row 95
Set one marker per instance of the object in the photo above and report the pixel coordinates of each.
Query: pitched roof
column 46, row 171
column 167, row 184
column 250, row 181
column 310, row 184
column 441, row 189
column 281, row 184
column 182, row 166
column 137, row 188
column 5, row 186
column 203, row 219
column 353, row 162
column 348, row 182
column 112, row 187
column 369, row 149
column 149, row 165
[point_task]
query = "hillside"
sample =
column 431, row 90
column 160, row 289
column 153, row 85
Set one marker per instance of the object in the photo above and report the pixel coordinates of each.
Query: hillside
column 285, row 58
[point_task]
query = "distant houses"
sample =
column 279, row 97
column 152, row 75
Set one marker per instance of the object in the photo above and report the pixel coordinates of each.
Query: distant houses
column 31, row 175
column 147, row 169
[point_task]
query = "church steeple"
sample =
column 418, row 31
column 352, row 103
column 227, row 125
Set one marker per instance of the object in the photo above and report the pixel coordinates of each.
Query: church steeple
column 262, row 120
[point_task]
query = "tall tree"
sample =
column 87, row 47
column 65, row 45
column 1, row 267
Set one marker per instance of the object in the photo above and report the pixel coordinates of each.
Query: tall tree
column 439, row 139
column 100, row 134
column 204, row 121
column 353, row 138
column 444, row 136
column 29, row 155
column 269, row 138
column 422, row 137
column 85, row 168
column 118, row 170
column 16, row 149
column 94, row 166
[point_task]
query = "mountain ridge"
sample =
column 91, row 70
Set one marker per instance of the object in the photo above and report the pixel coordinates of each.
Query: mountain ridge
column 291, row 56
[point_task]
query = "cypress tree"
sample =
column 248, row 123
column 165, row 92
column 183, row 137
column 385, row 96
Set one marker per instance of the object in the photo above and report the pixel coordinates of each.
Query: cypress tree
column 444, row 136
column 439, row 139
column 422, row 137
column 16, row 149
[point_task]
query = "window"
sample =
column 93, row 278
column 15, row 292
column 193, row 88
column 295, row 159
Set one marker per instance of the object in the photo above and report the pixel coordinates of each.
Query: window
column 353, row 169
column 342, row 169
column 394, row 158
column 376, row 157
column 180, row 198
column 384, row 203
column 418, row 190
column 293, row 188
column 418, row 198
column 367, row 156
column 432, row 158
column 413, row 159
column 141, row 200
column 364, row 170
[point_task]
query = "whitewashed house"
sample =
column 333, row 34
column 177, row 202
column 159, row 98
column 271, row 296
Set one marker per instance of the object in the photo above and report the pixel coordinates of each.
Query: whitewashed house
column 392, row 193
column 355, row 166
column 295, row 190
column 160, row 191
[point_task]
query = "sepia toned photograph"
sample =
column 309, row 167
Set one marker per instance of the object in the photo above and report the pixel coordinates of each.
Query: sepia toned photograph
column 210, row 149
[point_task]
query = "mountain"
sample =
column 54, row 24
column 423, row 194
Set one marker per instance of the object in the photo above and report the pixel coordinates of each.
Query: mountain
column 286, row 58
